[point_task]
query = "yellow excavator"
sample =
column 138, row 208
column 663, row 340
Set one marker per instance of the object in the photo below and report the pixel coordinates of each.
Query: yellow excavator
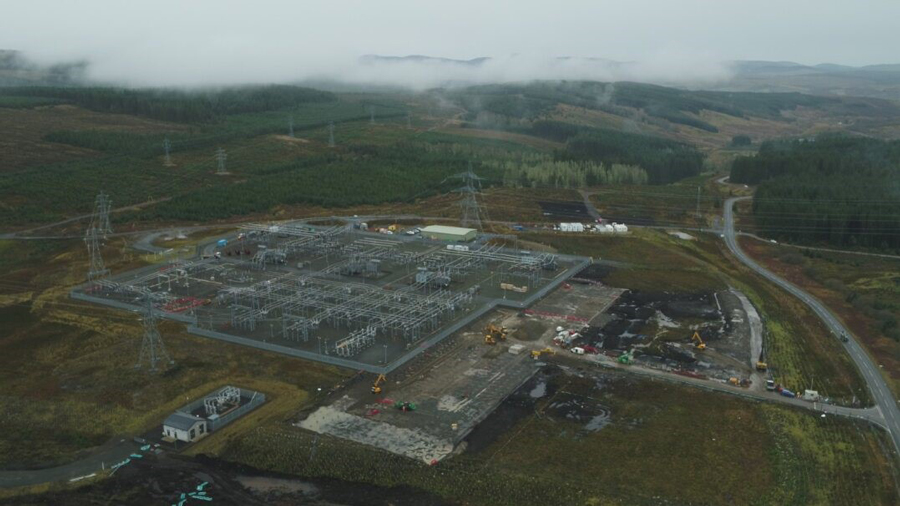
column 376, row 386
column 536, row 354
column 496, row 332
column 489, row 339
column 699, row 344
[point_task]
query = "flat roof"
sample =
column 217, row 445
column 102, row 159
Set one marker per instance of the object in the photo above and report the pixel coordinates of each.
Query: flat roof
column 442, row 229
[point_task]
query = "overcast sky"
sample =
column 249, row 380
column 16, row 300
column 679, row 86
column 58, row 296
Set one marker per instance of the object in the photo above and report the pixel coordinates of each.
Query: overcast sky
column 201, row 41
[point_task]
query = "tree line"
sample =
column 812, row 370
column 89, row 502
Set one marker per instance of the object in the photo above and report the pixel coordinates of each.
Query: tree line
column 663, row 160
column 837, row 190
column 181, row 106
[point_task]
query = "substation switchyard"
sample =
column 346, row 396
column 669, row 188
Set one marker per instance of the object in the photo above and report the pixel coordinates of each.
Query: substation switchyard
column 335, row 294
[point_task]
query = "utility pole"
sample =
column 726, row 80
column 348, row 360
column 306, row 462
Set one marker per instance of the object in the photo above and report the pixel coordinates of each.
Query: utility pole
column 220, row 159
column 331, row 134
column 167, row 147
column 371, row 114
column 291, row 126
column 409, row 121
column 152, row 348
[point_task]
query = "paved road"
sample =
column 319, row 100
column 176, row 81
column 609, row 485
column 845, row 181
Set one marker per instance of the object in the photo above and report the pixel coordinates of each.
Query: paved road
column 881, row 393
column 872, row 414
column 114, row 451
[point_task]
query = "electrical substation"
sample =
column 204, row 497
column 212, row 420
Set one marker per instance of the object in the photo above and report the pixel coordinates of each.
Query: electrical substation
column 335, row 293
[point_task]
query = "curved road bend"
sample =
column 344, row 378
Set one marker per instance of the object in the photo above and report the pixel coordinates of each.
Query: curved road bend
column 881, row 393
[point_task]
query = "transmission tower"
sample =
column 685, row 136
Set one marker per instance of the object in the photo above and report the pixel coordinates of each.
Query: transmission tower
column 472, row 210
column 93, row 237
column 101, row 208
column 220, row 159
column 291, row 126
column 167, row 147
column 331, row 134
column 153, row 350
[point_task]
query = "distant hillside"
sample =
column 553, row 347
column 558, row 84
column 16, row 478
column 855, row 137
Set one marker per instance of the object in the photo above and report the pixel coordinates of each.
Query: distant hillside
column 879, row 81
column 16, row 70
column 705, row 118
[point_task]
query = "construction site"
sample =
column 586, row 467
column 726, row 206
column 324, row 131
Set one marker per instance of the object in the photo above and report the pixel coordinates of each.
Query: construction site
column 448, row 323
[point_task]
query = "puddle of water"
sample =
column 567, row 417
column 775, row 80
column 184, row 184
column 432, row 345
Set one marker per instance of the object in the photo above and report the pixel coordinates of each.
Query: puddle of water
column 265, row 484
column 539, row 390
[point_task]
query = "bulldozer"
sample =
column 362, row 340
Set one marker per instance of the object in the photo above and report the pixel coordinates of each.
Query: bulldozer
column 699, row 344
column 496, row 331
column 536, row 354
column 376, row 386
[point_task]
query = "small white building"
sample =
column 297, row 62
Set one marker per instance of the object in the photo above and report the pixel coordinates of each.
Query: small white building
column 184, row 427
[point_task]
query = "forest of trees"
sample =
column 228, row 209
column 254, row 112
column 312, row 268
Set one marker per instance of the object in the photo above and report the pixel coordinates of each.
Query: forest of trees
column 362, row 174
column 179, row 105
column 664, row 161
column 843, row 191
column 530, row 101
column 541, row 171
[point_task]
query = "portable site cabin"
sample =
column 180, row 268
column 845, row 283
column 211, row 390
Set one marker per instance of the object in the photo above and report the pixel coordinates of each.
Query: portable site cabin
column 444, row 233
column 184, row 427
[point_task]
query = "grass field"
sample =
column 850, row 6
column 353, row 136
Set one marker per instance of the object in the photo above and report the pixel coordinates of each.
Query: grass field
column 663, row 441
column 67, row 368
column 667, row 205
column 864, row 291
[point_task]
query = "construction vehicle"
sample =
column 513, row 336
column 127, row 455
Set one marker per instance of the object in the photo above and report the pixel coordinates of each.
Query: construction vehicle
column 536, row 354
column 496, row 331
column 627, row 358
column 405, row 406
column 734, row 381
column 376, row 386
column 699, row 344
column 761, row 366
column 489, row 339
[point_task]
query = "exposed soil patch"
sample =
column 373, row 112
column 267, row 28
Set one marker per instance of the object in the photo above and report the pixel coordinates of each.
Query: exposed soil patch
column 565, row 210
column 520, row 404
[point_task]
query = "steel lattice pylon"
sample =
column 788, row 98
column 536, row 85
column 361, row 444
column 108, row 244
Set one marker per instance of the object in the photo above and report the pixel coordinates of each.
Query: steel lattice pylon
column 96, row 232
column 472, row 211
column 152, row 348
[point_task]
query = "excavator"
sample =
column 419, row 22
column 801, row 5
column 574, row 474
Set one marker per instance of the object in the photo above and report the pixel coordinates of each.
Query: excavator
column 536, row 354
column 496, row 331
column 627, row 358
column 376, row 386
column 700, row 345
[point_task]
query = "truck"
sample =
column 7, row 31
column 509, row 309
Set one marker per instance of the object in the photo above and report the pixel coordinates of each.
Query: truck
column 222, row 243
column 518, row 228
column 770, row 385
column 810, row 395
